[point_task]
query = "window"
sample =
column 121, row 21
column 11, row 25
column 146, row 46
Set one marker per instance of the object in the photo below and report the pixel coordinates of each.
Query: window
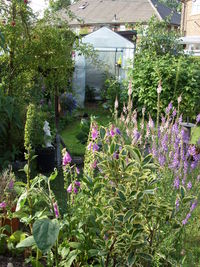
column 195, row 7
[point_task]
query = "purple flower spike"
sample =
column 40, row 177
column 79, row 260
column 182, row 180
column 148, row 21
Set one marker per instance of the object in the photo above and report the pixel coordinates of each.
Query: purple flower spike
column 170, row 106
column 3, row 205
column 189, row 185
column 69, row 189
column 112, row 132
column 177, row 204
column 75, row 190
column 184, row 222
column 89, row 146
column 77, row 183
column 11, row 184
column 192, row 150
column 94, row 133
column 198, row 118
column 177, row 183
column 55, row 206
column 117, row 131
column 193, row 206
column 174, row 113
column 66, row 159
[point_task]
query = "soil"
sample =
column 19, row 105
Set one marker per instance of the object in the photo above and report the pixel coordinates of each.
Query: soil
column 16, row 261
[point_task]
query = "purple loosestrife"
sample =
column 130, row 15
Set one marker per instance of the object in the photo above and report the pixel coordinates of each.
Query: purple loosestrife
column 193, row 206
column 69, row 189
column 184, row 222
column 168, row 109
column 177, row 183
column 55, row 206
column 192, row 150
column 162, row 160
column 189, row 185
column 198, row 119
column 164, row 143
column 174, row 113
column 66, row 159
column 177, row 204
column 90, row 146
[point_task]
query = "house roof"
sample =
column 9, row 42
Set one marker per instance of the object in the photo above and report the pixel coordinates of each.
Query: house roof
column 91, row 12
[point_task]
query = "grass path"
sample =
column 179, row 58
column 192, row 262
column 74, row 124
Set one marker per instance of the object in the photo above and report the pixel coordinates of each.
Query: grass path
column 103, row 117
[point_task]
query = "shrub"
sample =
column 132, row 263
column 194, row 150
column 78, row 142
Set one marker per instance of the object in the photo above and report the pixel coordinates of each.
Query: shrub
column 159, row 58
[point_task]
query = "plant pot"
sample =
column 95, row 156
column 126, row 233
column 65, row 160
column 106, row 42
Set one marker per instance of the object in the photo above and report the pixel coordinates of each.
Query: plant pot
column 45, row 159
column 12, row 223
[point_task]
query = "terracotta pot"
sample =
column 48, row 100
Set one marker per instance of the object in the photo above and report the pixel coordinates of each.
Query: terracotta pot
column 13, row 223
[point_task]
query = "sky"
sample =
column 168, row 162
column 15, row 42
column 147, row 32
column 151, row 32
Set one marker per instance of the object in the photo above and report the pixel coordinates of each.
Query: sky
column 38, row 5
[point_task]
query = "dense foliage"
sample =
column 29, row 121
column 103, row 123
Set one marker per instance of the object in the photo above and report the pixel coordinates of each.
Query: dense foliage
column 159, row 58
column 36, row 66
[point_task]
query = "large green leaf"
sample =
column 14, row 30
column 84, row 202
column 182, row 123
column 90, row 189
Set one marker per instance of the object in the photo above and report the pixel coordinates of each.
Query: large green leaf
column 45, row 233
column 28, row 242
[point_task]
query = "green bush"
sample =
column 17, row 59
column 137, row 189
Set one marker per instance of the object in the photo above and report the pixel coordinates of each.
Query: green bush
column 160, row 58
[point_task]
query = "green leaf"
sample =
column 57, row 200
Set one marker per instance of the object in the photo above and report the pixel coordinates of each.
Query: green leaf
column 28, row 242
column 21, row 201
column 45, row 233
column 145, row 256
column 131, row 259
column 121, row 195
column 128, row 215
column 75, row 244
column 72, row 256
column 102, row 133
column 53, row 175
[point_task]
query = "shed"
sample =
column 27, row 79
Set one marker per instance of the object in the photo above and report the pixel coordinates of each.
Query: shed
column 114, row 55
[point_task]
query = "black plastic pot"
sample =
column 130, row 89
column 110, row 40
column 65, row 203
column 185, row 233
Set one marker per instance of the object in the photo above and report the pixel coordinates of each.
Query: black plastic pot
column 45, row 158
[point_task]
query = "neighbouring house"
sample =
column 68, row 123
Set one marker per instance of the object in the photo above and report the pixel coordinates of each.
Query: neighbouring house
column 114, row 55
column 118, row 15
column 190, row 26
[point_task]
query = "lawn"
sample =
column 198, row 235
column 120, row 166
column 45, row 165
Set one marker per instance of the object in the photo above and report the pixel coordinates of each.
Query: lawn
column 73, row 145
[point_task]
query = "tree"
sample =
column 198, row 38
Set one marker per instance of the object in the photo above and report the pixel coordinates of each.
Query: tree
column 174, row 4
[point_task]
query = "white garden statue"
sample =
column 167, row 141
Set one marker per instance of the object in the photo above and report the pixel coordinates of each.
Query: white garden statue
column 47, row 134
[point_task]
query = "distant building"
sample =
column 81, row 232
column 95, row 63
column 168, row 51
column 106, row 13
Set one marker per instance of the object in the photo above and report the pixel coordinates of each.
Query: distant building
column 190, row 25
column 118, row 15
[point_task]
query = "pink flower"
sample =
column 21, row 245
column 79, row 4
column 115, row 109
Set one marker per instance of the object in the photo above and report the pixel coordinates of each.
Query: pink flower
column 55, row 206
column 95, row 147
column 94, row 165
column 77, row 183
column 94, row 133
column 69, row 189
column 77, row 170
column 66, row 159
column 3, row 205
column 75, row 190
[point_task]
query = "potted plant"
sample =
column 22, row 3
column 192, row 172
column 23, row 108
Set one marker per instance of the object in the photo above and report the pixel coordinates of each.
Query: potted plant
column 8, row 223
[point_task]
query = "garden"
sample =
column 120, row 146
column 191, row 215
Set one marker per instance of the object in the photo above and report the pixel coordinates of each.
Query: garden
column 114, row 184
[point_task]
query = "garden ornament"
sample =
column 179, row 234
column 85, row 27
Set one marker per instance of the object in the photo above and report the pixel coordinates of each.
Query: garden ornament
column 47, row 134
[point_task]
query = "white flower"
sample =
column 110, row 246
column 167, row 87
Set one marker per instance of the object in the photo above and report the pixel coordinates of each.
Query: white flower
column 159, row 89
